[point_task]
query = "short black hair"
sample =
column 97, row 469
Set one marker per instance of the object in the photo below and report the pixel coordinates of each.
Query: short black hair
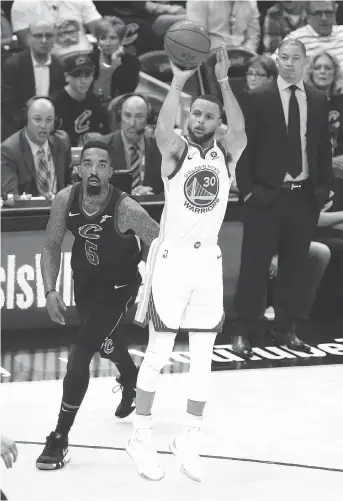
column 211, row 99
column 293, row 41
column 101, row 145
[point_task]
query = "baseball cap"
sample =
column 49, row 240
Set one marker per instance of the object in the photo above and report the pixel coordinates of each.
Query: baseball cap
column 78, row 63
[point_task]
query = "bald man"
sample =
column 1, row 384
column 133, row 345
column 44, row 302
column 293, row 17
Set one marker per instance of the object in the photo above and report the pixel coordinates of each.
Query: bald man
column 134, row 149
column 29, row 73
column 36, row 160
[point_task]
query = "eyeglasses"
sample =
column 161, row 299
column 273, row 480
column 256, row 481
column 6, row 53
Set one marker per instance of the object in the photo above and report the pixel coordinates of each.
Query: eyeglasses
column 258, row 74
column 321, row 13
column 40, row 36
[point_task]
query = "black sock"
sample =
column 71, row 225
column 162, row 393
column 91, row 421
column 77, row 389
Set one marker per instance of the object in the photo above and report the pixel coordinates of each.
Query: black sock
column 66, row 419
column 75, row 385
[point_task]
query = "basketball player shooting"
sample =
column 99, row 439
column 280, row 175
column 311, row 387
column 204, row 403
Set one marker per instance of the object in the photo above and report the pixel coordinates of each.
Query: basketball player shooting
column 107, row 226
column 184, row 282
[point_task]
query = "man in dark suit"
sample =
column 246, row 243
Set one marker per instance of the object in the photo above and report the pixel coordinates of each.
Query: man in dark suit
column 132, row 148
column 285, row 176
column 29, row 73
column 35, row 160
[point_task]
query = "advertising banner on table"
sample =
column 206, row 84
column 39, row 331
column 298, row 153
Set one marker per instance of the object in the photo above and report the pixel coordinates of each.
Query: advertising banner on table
column 22, row 296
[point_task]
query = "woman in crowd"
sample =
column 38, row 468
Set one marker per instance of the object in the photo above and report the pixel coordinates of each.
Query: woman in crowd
column 261, row 70
column 324, row 73
column 116, row 72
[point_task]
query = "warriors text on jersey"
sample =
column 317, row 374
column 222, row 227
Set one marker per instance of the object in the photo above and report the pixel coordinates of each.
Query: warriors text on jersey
column 196, row 194
column 100, row 251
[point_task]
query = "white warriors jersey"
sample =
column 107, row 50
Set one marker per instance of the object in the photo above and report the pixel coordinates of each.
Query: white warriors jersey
column 196, row 195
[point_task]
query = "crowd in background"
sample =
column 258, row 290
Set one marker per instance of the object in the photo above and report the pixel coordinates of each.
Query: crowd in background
column 86, row 57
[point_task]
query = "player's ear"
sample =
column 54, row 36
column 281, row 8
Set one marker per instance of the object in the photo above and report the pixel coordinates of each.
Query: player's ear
column 111, row 172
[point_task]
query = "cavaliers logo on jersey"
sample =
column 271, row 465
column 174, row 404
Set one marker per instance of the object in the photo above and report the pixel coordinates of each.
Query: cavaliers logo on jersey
column 201, row 189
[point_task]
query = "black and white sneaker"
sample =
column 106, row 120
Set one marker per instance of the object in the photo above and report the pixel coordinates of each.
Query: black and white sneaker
column 127, row 403
column 55, row 453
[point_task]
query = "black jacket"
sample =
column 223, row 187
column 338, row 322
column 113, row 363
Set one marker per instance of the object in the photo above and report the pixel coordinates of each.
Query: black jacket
column 263, row 164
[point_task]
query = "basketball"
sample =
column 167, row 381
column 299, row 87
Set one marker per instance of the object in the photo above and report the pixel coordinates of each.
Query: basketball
column 187, row 44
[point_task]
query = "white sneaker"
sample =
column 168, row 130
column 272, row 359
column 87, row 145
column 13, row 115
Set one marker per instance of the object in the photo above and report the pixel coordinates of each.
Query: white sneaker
column 141, row 451
column 186, row 450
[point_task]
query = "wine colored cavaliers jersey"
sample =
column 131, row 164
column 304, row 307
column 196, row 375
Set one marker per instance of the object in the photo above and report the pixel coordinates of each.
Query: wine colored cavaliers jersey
column 196, row 194
column 100, row 251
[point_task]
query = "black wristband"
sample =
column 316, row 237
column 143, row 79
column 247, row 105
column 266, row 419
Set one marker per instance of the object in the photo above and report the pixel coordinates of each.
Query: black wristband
column 51, row 290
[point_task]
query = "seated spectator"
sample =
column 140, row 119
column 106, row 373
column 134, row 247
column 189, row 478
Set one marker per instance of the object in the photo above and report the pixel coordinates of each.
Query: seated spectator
column 232, row 23
column 280, row 20
column 261, row 70
column 116, row 72
column 69, row 17
column 135, row 150
column 76, row 104
column 325, row 73
column 29, row 73
column 36, row 160
column 321, row 32
column 319, row 258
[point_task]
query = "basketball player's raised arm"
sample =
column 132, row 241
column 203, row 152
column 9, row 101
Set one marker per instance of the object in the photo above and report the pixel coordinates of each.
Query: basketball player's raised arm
column 169, row 143
column 235, row 140
column 132, row 216
column 55, row 231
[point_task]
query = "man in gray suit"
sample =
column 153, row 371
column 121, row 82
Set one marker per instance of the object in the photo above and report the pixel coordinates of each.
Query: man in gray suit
column 133, row 149
column 36, row 159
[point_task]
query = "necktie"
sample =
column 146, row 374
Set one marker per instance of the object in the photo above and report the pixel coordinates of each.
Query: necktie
column 295, row 166
column 135, row 166
column 43, row 174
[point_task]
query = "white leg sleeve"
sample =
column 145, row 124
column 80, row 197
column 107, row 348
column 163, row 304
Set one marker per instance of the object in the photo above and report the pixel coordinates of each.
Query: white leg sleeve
column 200, row 352
column 157, row 354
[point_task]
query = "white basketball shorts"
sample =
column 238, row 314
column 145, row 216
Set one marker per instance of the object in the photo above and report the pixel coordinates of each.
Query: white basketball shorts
column 183, row 288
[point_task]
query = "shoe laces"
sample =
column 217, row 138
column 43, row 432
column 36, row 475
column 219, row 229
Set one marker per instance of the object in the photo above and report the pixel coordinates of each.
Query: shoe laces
column 189, row 440
column 143, row 443
column 54, row 441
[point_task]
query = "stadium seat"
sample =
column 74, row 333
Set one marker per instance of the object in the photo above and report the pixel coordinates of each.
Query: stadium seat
column 156, row 63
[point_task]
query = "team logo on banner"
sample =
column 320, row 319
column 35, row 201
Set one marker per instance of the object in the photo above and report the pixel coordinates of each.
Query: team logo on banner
column 201, row 188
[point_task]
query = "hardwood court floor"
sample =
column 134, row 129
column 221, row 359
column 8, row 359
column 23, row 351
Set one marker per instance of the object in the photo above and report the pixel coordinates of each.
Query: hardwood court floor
column 273, row 435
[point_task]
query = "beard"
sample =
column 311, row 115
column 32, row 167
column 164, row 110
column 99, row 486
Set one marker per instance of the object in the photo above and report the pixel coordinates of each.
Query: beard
column 93, row 189
column 200, row 140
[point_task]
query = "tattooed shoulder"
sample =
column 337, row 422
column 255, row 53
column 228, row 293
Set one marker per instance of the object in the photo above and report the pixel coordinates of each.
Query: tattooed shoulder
column 132, row 216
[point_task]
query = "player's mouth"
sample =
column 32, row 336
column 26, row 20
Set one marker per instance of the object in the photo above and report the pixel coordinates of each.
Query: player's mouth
column 199, row 129
column 93, row 181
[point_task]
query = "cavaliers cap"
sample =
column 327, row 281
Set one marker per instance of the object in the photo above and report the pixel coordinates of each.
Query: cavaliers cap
column 78, row 63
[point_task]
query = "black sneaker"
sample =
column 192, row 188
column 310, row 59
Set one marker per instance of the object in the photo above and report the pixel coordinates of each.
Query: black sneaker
column 127, row 403
column 55, row 453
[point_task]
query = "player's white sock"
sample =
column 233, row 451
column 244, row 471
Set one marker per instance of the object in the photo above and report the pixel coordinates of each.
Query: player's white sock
column 141, row 450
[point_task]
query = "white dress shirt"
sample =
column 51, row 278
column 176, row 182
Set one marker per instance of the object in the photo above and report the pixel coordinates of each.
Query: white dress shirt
column 300, row 94
column 42, row 76
column 34, row 150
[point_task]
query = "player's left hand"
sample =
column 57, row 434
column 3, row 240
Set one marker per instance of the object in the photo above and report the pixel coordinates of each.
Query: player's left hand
column 142, row 190
column 223, row 63
column 9, row 451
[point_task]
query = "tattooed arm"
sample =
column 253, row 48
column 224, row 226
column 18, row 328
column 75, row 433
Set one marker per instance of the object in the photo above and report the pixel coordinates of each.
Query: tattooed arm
column 55, row 230
column 131, row 216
